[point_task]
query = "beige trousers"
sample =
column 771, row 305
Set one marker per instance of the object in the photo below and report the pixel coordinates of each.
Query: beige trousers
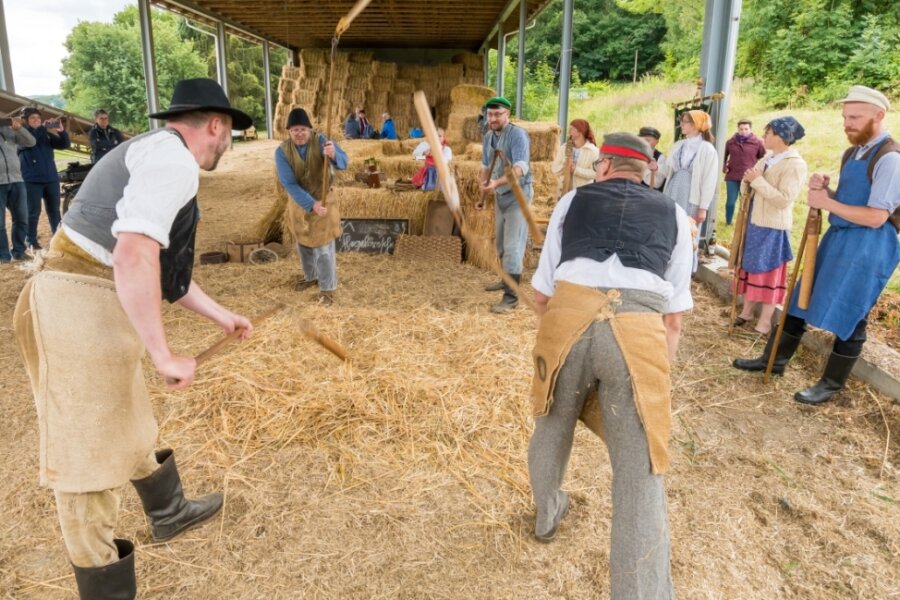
column 88, row 520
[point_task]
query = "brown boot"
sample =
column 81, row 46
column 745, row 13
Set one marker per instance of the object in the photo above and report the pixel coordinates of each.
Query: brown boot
column 305, row 285
column 326, row 298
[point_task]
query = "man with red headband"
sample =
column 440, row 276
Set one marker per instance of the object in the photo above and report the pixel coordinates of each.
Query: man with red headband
column 611, row 286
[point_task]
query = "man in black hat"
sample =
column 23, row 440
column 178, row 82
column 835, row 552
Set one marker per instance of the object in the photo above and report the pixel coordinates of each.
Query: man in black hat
column 611, row 285
column 126, row 243
column 314, row 224
column 654, row 178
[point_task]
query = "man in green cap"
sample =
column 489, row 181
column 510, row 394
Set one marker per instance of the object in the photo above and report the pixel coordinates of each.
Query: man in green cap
column 511, row 229
column 612, row 282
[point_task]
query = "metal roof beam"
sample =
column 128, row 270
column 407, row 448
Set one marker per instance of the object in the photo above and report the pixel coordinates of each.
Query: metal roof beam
column 190, row 7
column 498, row 24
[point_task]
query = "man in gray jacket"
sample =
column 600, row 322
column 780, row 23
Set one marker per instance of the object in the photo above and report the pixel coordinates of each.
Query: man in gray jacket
column 12, row 188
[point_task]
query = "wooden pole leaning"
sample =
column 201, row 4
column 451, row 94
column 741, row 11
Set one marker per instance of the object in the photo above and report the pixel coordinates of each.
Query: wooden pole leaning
column 798, row 260
column 736, row 258
column 567, row 168
column 342, row 26
column 513, row 182
column 813, row 229
column 451, row 191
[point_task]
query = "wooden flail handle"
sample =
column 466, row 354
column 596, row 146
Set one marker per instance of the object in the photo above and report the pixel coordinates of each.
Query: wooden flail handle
column 513, row 181
column 740, row 233
column 813, row 229
column 312, row 332
column 229, row 339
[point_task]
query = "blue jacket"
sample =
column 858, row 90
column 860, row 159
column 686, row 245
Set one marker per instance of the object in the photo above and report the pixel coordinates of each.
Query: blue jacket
column 38, row 164
column 388, row 131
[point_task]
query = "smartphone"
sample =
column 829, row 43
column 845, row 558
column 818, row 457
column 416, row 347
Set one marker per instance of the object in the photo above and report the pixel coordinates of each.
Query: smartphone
column 52, row 124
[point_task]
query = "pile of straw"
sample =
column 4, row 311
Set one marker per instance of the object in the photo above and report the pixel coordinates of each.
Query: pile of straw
column 361, row 202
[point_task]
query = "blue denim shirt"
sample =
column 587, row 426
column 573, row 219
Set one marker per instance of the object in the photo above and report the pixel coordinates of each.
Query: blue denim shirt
column 514, row 143
column 286, row 173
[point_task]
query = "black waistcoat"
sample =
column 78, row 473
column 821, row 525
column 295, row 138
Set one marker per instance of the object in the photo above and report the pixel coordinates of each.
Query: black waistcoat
column 623, row 218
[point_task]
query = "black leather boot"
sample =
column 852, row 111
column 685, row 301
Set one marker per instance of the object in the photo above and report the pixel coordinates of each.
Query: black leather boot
column 787, row 345
column 495, row 286
column 510, row 299
column 110, row 582
column 837, row 370
column 169, row 511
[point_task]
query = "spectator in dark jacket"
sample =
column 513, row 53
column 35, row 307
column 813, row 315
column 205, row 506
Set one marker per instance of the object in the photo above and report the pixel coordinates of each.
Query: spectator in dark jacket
column 741, row 153
column 103, row 136
column 12, row 189
column 39, row 170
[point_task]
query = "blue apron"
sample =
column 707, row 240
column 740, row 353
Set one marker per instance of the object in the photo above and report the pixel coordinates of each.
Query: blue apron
column 853, row 263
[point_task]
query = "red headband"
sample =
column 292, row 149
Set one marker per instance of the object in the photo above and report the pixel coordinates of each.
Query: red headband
column 622, row 151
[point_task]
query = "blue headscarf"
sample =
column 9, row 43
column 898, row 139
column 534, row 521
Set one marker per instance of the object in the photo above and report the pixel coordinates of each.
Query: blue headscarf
column 787, row 128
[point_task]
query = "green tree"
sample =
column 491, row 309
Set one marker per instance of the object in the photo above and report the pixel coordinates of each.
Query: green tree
column 104, row 66
column 604, row 39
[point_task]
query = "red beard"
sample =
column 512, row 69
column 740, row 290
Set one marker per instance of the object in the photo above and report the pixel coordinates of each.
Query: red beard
column 861, row 136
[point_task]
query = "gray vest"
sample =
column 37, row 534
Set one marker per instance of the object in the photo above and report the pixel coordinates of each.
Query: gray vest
column 93, row 213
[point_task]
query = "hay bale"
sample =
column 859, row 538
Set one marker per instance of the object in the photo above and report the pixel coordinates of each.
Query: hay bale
column 358, row 70
column 355, row 97
column 404, row 86
column 429, row 248
column 393, row 167
column 467, row 97
column 472, row 131
column 392, row 148
column 360, row 57
column 384, row 69
column 312, row 56
column 286, row 85
column 382, row 203
column 544, row 138
column 304, row 98
column 315, row 71
column 291, row 72
column 468, row 59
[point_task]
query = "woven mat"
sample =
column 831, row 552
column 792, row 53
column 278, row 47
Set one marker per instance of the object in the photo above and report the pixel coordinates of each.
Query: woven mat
column 429, row 248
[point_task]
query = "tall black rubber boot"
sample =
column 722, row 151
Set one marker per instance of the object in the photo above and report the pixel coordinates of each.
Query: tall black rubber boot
column 837, row 370
column 510, row 299
column 115, row 581
column 787, row 346
column 169, row 511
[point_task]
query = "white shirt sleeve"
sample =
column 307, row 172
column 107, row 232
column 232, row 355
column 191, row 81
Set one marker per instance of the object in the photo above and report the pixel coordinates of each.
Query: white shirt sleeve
column 448, row 153
column 543, row 279
column 163, row 177
column 678, row 271
column 420, row 150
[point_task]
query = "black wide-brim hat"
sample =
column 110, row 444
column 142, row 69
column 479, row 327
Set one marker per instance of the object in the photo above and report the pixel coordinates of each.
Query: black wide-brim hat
column 201, row 94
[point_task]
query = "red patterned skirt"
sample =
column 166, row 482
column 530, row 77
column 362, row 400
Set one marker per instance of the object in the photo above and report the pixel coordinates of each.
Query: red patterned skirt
column 768, row 287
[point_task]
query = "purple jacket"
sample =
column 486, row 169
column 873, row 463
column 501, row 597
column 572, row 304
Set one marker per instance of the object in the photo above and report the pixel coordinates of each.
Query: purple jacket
column 740, row 156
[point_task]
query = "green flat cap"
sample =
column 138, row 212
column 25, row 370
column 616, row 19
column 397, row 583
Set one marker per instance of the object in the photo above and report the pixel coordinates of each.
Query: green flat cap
column 498, row 102
column 627, row 145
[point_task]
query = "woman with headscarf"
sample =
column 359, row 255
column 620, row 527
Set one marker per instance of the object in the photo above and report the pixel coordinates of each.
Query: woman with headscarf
column 584, row 153
column 775, row 182
column 692, row 170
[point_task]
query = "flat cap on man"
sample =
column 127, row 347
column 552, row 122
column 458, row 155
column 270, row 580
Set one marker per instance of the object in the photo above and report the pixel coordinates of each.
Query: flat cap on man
column 649, row 132
column 626, row 145
column 498, row 102
column 861, row 93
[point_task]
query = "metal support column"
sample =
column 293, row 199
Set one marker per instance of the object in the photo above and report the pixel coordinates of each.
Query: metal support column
column 501, row 53
column 6, row 74
column 149, row 57
column 267, row 83
column 721, row 23
column 565, row 68
column 520, row 61
column 221, row 56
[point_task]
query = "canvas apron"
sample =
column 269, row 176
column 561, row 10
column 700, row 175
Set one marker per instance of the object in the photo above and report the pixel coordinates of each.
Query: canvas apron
column 83, row 359
column 307, row 228
column 641, row 338
column 853, row 262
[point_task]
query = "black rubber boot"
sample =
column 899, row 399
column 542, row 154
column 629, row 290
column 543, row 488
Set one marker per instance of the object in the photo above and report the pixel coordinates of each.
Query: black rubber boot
column 510, row 300
column 787, row 345
column 110, row 582
column 494, row 287
column 169, row 511
column 837, row 370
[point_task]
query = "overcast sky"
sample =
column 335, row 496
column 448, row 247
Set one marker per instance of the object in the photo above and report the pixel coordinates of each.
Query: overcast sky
column 37, row 30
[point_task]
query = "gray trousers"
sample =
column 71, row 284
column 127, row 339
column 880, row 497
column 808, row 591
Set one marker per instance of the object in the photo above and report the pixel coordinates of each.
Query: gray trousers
column 639, row 558
column 320, row 264
column 511, row 230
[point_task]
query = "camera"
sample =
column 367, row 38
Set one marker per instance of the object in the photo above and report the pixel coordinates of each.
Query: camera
column 53, row 124
column 6, row 122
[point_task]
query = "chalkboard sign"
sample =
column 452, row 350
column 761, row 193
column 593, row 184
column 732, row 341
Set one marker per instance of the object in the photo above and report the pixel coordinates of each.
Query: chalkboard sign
column 373, row 236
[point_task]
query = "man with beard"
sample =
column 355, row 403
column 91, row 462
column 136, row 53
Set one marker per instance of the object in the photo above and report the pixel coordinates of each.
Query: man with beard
column 858, row 253
column 86, row 317
column 511, row 229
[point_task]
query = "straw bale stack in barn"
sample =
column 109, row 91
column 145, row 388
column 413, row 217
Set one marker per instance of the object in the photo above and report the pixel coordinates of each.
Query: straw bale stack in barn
column 465, row 103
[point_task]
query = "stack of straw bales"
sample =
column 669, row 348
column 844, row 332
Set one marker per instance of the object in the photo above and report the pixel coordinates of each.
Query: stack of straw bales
column 473, row 67
column 466, row 101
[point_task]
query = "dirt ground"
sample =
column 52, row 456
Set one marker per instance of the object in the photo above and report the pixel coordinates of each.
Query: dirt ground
column 404, row 475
